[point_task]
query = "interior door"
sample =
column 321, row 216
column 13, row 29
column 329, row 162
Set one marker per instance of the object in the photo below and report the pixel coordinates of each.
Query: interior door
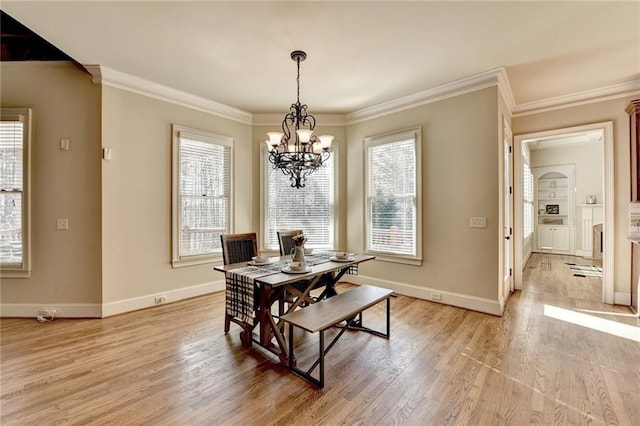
column 508, row 206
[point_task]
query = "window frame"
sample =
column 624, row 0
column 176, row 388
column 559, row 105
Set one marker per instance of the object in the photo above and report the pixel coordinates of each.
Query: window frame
column 23, row 269
column 264, row 152
column 179, row 131
column 414, row 133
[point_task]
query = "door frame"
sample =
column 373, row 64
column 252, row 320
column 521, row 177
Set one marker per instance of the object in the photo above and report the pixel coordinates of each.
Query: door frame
column 608, row 243
column 507, row 212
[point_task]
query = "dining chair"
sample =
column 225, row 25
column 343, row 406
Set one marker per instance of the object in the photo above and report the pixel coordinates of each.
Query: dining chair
column 285, row 239
column 238, row 248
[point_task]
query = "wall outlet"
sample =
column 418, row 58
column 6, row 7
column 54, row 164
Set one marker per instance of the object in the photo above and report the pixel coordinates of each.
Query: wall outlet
column 62, row 224
column 160, row 299
column 436, row 296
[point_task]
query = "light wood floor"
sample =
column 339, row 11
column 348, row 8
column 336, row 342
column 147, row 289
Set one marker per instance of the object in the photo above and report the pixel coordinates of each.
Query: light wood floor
column 443, row 365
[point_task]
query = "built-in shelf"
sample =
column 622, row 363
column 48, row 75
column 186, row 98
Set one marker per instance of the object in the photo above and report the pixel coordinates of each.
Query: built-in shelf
column 555, row 208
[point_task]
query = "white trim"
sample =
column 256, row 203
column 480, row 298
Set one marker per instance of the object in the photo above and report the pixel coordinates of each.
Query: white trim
column 63, row 310
column 584, row 253
column 147, row 301
column 609, row 246
column 495, row 77
column 23, row 269
column 474, row 303
column 335, row 217
column 110, row 77
column 623, row 299
column 177, row 132
column 414, row 133
column 615, row 91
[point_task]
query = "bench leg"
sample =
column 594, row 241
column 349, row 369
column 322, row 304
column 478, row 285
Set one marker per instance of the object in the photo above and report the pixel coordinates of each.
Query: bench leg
column 307, row 374
column 321, row 350
column 353, row 324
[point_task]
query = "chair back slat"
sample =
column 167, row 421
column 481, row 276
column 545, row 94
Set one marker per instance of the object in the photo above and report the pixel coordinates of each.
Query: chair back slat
column 238, row 248
column 285, row 239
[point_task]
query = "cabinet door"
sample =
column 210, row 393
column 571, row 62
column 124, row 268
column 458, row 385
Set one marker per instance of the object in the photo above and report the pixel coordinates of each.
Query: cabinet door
column 545, row 236
column 561, row 239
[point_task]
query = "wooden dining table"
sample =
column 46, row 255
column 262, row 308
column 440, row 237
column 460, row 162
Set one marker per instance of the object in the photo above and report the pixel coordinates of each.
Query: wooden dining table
column 272, row 284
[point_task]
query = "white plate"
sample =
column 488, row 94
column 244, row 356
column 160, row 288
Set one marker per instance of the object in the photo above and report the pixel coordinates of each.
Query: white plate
column 253, row 263
column 346, row 259
column 288, row 270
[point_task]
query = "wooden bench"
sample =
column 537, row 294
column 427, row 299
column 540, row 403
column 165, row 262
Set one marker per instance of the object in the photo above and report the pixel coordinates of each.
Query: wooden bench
column 347, row 306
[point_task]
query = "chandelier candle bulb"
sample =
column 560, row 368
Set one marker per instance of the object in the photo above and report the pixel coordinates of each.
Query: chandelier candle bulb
column 325, row 141
column 304, row 135
column 275, row 138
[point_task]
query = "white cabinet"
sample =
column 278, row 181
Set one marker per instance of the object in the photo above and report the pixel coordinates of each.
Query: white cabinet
column 556, row 237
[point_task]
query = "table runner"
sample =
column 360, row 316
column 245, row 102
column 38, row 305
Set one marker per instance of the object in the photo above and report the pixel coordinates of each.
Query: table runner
column 240, row 284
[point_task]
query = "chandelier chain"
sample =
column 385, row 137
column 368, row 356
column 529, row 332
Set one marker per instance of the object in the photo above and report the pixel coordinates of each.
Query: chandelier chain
column 298, row 78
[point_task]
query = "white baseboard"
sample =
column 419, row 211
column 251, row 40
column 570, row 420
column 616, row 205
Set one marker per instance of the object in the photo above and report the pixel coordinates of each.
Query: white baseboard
column 95, row 310
column 63, row 310
column 623, row 299
column 128, row 305
column 473, row 303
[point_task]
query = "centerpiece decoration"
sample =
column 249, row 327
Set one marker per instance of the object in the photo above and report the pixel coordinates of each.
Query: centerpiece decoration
column 297, row 251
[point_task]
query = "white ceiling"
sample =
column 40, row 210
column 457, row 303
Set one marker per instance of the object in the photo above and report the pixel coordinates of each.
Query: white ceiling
column 361, row 53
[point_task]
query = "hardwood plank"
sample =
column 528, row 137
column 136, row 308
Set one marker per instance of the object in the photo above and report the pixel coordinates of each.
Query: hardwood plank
column 172, row 364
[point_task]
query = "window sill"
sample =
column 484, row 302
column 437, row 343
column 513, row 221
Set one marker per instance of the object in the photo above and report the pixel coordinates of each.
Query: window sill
column 15, row 273
column 196, row 260
column 384, row 257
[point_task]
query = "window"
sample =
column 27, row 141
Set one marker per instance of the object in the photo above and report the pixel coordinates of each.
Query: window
column 528, row 209
column 393, row 196
column 311, row 208
column 15, row 253
column 528, row 201
column 201, row 195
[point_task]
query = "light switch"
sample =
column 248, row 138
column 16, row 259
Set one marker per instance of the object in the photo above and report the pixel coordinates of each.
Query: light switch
column 478, row 222
column 62, row 224
column 64, row 144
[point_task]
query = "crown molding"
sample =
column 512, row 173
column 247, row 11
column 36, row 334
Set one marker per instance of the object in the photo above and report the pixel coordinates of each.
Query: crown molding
column 491, row 78
column 615, row 91
column 276, row 119
column 496, row 77
column 110, row 77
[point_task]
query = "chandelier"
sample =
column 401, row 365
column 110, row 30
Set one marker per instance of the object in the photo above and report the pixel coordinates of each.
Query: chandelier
column 296, row 151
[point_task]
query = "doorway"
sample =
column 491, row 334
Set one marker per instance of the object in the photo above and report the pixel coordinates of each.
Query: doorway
column 524, row 246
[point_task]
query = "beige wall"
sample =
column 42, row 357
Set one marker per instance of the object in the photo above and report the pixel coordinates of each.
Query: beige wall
column 460, row 180
column 116, row 254
column 65, row 184
column 612, row 110
column 136, row 194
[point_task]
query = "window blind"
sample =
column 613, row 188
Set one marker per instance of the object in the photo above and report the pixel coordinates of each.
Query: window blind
column 528, row 208
column 310, row 208
column 11, row 191
column 204, row 194
column 391, row 197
